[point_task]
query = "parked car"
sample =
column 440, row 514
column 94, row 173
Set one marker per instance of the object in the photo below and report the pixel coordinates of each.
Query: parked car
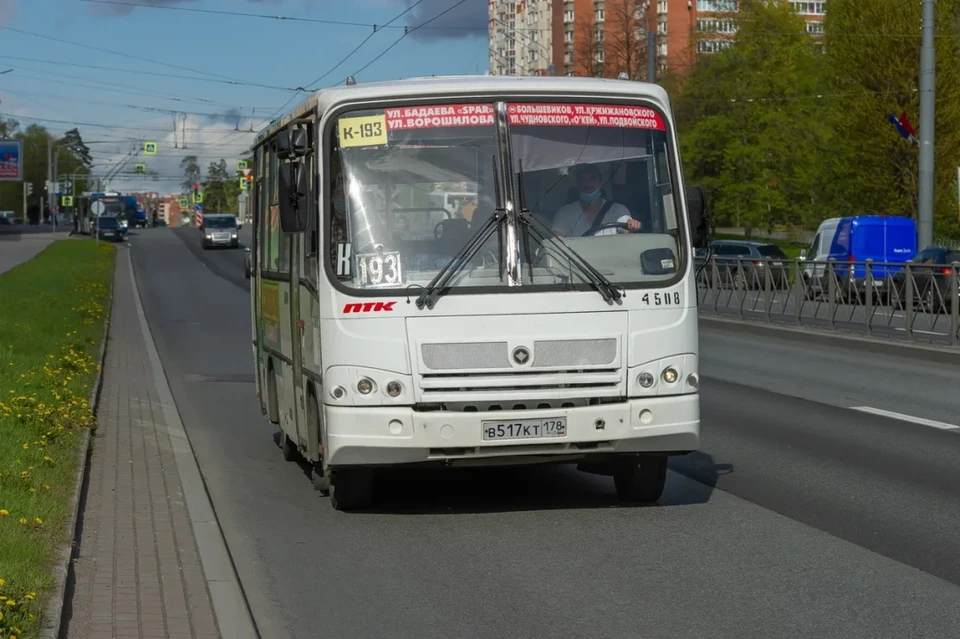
column 933, row 271
column 755, row 259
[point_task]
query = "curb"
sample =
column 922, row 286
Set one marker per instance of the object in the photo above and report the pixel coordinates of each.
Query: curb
column 880, row 346
column 53, row 610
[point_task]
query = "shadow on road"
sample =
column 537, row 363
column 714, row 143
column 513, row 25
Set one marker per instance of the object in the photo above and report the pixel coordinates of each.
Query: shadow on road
column 701, row 468
column 459, row 491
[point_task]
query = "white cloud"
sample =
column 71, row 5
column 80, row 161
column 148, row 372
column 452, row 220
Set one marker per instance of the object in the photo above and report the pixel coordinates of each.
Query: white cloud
column 209, row 142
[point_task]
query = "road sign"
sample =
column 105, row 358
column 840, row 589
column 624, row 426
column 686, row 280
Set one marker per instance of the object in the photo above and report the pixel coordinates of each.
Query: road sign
column 247, row 172
column 242, row 165
column 139, row 168
column 198, row 197
column 11, row 161
column 184, row 203
column 149, row 148
column 67, row 200
column 98, row 208
column 198, row 207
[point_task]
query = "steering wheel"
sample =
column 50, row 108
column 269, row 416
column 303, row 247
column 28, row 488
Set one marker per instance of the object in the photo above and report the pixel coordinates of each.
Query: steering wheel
column 611, row 225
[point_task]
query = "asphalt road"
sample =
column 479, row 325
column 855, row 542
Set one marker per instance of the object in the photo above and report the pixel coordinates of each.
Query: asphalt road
column 804, row 518
column 782, row 306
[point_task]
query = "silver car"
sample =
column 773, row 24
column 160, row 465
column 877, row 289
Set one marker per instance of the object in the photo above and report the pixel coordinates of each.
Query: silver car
column 220, row 229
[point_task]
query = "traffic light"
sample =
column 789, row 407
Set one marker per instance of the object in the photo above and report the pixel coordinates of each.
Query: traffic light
column 197, row 195
column 29, row 188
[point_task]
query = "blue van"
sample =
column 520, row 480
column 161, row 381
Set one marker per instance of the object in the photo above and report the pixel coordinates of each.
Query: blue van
column 880, row 238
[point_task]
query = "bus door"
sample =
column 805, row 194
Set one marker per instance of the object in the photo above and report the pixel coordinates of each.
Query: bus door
column 297, row 328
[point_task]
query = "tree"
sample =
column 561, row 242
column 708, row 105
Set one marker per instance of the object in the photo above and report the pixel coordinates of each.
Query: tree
column 215, row 189
column 751, row 131
column 623, row 38
column 587, row 48
column 74, row 157
column 877, row 70
column 191, row 172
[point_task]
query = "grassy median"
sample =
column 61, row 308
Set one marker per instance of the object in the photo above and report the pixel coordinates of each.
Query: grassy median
column 52, row 314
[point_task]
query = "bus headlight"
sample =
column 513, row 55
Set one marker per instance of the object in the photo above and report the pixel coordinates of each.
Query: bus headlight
column 693, row 381
column 365, row 386
column 670, row 375
column 645, row 380
column 394, row 389
column 338, row 392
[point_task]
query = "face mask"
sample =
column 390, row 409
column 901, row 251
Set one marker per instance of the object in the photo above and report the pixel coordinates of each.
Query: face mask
column 589, row 198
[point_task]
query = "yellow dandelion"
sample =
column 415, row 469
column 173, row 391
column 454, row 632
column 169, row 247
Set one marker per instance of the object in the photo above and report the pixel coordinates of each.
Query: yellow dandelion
column 3, row 513
column 38, row 521
column 23, row 521
column 31, row 596
column 11, row 603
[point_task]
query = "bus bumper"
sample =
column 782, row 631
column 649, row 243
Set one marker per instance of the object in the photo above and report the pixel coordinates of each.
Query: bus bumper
column 375, row 436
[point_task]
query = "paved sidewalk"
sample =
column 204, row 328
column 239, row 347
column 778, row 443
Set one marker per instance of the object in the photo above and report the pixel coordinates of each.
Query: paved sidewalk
column 17, row 249
column 139, row 571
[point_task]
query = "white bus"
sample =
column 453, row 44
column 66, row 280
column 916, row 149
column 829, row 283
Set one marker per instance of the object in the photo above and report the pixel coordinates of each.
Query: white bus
column 557, row 324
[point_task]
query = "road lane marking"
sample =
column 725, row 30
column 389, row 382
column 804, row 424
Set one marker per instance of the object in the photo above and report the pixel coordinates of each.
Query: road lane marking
column 906, row 418
column 917, row 330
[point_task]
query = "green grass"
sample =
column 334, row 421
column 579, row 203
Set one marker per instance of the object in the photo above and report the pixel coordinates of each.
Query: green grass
column 52, row 313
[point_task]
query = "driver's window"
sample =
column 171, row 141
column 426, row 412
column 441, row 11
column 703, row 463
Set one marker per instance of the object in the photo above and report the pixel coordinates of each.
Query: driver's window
column 815, row 248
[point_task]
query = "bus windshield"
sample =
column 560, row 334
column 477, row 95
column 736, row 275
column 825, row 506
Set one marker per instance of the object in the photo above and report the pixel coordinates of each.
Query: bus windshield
column 597, row 178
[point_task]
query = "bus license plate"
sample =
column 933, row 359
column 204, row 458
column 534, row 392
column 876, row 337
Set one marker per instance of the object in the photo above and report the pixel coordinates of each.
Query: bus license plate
column 524, row 429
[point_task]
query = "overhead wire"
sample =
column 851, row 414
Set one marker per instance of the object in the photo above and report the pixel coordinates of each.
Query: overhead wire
column 264, row 16
column 363, row 42
column 128, row 55
column 398, row 40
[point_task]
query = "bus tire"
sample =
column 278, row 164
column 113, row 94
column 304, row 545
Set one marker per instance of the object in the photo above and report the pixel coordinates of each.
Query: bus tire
column 290, row 452
column 273, row 400
column 321, row 473
column 640, row 480
column 352, row 489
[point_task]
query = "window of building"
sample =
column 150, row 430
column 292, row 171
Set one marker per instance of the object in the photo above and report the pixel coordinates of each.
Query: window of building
column 568, row 15
column 600, row 17
column 717, row 6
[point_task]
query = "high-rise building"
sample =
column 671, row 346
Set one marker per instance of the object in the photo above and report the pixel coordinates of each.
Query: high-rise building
column 609, row 37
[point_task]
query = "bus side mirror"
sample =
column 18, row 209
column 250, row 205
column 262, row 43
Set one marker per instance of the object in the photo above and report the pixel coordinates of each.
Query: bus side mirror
column 292, row 143
column 697, row 216
column 293, row 188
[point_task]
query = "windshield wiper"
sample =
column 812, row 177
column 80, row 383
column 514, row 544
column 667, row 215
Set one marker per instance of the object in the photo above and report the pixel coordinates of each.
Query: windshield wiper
column 607, row 289
column 433, row 290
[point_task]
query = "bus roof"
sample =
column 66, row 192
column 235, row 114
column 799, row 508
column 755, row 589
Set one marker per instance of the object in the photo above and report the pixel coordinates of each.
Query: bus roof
column 466, row 85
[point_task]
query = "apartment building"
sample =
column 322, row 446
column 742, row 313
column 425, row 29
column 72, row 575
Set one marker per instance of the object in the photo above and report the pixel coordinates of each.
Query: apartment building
column 608, row 37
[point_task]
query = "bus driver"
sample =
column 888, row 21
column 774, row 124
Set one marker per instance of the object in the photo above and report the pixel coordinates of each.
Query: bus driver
column 576, row 218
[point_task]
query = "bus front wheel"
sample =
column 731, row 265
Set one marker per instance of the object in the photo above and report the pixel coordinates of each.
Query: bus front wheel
column 351, row 488
column 640, row 480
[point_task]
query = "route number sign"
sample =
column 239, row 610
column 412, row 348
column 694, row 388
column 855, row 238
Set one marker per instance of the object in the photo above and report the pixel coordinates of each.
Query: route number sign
column 370, row 130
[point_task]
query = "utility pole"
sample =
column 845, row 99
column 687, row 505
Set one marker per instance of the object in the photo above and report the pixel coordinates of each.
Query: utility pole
column 928, row 64
column 651, row 54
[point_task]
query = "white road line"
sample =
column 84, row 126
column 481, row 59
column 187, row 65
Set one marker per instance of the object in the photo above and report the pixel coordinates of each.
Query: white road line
column 906, row 418
column 917, row 330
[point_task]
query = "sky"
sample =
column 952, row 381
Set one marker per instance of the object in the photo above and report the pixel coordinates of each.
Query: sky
column 129, row 71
